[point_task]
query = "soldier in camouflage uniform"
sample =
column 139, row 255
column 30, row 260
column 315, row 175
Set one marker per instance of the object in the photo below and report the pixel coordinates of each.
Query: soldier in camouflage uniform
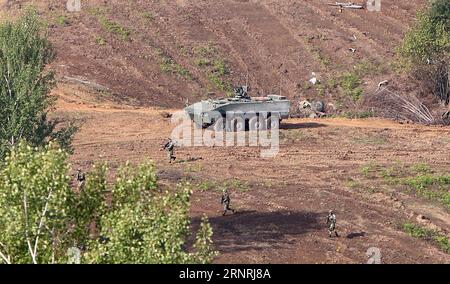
column 225, row 201
column 169, row 147
column 81, row 179
column 331, row 221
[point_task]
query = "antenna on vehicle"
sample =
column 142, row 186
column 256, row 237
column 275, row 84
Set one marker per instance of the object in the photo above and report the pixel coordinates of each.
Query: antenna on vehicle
column 280, row 84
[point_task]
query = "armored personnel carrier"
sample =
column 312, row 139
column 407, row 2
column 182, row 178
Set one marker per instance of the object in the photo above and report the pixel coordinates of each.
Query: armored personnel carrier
column 241, row 110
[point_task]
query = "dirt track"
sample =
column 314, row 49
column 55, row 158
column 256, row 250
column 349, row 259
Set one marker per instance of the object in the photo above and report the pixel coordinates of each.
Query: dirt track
column 282, row 202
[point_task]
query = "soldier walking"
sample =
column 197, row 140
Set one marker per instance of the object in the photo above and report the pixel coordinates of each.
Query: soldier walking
column 331, row 221
column 225, row 201
column 81, row 179
column 170, row 149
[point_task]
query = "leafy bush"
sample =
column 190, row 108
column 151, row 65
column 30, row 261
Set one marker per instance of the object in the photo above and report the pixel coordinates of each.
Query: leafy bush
column 426, row 49
column 42, row 217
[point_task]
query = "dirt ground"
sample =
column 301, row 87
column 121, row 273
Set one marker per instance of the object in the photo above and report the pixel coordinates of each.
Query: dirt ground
column 282, row 202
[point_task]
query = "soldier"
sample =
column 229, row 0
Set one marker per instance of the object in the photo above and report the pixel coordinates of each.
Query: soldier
column 169, row 147
column 331, row 220
column 81, row 179
column 225, row 201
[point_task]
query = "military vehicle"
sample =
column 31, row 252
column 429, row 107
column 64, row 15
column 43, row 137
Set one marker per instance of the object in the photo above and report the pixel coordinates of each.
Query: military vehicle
column 240, row 112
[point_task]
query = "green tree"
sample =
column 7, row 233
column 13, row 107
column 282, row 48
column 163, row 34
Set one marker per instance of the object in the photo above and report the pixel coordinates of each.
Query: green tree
column 426, row 48
column 130, row 221
column 144, row 225
column 25, row 86
column 34, row 200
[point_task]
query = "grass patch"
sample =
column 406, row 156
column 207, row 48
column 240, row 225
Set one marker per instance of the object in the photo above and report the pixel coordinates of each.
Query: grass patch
column 206, row 186
column 370, row 140
column 420, row 232
column 203, row 62
column 115, row 28
column 353, row 184
column 427, row 180
column 421, row 168
column 219, row 84
column 369, row 68
column 234, row 184
column 148, row 16
column 63, row 21
column 419, row 179
column 237, row 184
column 351, row 85
column 216, row 68
column 101, row 41
column 220, row 67
column 169, row 65
column 370, row 170
column 208, row 50
column 193, row 168
column 433, row 187
column 317, row 53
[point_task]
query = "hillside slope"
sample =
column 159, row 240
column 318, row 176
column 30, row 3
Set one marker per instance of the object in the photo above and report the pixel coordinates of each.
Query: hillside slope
column 163, row 52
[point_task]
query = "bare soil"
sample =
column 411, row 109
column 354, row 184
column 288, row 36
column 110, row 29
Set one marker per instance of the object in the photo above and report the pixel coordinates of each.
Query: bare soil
column 278, row 43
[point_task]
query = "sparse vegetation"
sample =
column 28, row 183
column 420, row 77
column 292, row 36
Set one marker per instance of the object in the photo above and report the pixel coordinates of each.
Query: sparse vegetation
column 434, row 187
column 420, row 232
column 418, row 178
column 351, row 85
column 234, row 184
column 115, row 28
column 421, row 168
column 149, row 16
column 101, row 40
column 320, row 57
column 63, row 21
column 169, row 65
column 369, row 68
column 371, row 140
column 207, row 58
